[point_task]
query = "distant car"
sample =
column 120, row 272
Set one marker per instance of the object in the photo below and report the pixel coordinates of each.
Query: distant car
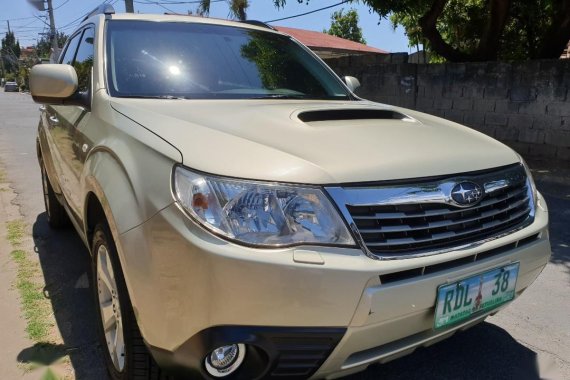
column 11, row 86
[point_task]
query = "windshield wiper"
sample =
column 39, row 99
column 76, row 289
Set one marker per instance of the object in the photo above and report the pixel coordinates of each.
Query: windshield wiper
column 302, row 96
column 281, row 96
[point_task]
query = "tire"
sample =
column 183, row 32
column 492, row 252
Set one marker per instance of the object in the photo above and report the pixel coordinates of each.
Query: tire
column 56, row 215
column 133, row 361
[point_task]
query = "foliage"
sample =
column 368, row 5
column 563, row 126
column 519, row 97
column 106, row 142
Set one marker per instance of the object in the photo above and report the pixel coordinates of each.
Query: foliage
column 10, row 77
column 83, row 70
column 43, row 47
column 24, row 73
column 479, row 30
column 10, row 52
column 238, row 8
column 265, row 54
column 345, row 25
column 277, row 66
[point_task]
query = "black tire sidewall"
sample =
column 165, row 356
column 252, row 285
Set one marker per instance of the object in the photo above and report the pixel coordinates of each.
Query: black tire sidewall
column 102, row 236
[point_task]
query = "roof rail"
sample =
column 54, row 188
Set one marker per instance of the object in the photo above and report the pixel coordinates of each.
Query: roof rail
column 106, row 9
column 258, row 23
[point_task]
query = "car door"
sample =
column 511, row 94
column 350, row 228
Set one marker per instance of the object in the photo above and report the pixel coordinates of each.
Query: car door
column 51, row 132
column 70, row 121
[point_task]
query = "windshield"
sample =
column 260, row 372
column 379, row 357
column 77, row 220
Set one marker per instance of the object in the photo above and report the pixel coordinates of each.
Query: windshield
column 203, row 61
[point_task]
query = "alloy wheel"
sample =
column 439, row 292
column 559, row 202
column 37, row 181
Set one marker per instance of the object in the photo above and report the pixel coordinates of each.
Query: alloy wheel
column 110, row 308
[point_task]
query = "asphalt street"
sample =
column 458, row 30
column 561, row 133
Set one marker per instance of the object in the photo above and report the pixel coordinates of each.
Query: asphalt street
column 530, row 339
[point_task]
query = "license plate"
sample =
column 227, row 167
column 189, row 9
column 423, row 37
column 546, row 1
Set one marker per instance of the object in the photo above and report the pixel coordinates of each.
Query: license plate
column 474, row 295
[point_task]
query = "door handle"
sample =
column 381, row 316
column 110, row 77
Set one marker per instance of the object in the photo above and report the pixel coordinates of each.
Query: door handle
column 54, row 119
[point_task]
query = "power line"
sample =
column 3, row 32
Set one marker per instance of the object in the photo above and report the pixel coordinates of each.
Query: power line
column 19, row 18
column 308, row 13
column 80, row 18
column 61, row 5
column 156, row 3
column 175, row 2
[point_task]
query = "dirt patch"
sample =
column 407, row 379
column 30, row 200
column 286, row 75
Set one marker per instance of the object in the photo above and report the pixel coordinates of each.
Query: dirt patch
column 24, row 298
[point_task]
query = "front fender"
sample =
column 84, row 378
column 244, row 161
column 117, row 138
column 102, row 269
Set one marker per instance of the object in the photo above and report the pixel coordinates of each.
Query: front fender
column 129, row 172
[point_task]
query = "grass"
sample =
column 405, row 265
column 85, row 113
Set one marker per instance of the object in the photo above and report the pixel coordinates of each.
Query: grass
column 35, row 307
column 16, row 232
column 3, row 177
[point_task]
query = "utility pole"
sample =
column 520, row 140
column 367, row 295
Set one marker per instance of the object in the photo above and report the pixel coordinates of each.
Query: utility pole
column 129, row 8
column 53, row 33
column 2, row 69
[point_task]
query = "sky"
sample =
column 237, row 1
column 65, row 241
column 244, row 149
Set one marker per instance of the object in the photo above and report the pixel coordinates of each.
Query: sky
column 27, row 22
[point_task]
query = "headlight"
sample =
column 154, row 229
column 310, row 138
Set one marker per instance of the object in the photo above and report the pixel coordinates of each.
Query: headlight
column 260, row 213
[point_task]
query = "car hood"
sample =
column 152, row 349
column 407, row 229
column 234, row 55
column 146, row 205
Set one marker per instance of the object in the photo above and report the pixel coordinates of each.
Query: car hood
column 312, row 141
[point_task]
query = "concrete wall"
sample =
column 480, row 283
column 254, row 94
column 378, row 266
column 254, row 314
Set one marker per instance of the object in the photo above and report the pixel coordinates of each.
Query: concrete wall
column 524, row 104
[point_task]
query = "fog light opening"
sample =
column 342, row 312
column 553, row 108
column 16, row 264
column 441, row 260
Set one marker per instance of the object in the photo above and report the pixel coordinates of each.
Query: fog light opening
column 225, row 360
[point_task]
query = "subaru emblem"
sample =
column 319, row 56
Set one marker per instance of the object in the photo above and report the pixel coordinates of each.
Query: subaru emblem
column 466, row 193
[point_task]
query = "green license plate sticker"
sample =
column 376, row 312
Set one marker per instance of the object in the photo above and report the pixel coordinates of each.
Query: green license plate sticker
column 477, row 294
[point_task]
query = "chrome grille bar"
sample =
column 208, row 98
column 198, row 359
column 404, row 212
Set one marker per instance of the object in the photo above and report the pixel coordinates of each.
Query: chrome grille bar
column 444, row 223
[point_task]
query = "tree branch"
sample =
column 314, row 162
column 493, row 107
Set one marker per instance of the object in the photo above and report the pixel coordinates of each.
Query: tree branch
column 428, row 24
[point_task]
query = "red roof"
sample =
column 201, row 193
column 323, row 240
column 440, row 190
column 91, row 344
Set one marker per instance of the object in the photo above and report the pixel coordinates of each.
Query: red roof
column 318, row 40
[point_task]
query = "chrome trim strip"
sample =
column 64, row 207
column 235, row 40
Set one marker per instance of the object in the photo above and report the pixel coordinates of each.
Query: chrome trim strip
column 429, row 192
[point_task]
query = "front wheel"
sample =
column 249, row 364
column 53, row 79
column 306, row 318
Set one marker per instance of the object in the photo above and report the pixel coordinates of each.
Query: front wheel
column 126, row 355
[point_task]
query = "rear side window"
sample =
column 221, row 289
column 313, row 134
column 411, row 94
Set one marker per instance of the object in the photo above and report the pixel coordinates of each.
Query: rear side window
column 84, row 59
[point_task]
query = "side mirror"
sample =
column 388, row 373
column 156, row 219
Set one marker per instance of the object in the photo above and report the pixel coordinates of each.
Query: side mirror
column 54, row 84
column 352, row 83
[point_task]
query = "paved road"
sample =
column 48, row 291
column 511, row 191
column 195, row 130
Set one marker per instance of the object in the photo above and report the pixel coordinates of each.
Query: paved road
column 528, row 340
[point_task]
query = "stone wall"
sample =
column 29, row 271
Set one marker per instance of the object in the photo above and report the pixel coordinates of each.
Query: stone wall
column 524, row 104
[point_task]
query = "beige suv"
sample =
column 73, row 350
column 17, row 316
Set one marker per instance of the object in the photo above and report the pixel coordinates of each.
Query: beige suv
column 250, row 217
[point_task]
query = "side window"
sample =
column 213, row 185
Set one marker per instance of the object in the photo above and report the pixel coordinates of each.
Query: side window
column 67, row 57
column 84, row 59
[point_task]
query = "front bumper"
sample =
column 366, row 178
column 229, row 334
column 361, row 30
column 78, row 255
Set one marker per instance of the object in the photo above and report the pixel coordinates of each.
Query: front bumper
column 186, row 284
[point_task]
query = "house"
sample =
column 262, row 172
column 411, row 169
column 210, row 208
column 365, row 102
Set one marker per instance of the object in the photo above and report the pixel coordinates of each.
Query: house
column 27, row 52
column 327, row 46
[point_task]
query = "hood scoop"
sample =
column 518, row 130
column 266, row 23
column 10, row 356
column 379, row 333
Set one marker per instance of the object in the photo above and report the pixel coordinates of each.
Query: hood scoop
column 351, row 114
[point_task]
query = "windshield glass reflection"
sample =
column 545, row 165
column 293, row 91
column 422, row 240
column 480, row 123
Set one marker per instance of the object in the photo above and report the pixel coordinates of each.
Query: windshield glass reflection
column 201, row 61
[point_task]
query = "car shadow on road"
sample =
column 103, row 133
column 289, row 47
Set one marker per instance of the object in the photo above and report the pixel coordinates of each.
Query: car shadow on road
column 557, row 194
column 485, row 351
column 65, row 263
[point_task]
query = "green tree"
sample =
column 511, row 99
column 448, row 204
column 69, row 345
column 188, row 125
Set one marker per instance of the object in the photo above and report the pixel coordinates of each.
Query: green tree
column 43, row 47
column 10, row 52
column 238, row 8
column 345, row 25
column 480, row 30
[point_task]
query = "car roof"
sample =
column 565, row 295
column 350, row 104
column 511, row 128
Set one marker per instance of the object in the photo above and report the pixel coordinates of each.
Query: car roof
column 185, row 18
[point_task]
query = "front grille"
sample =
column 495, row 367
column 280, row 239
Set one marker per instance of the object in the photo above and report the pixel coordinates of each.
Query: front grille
column 396, row 228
